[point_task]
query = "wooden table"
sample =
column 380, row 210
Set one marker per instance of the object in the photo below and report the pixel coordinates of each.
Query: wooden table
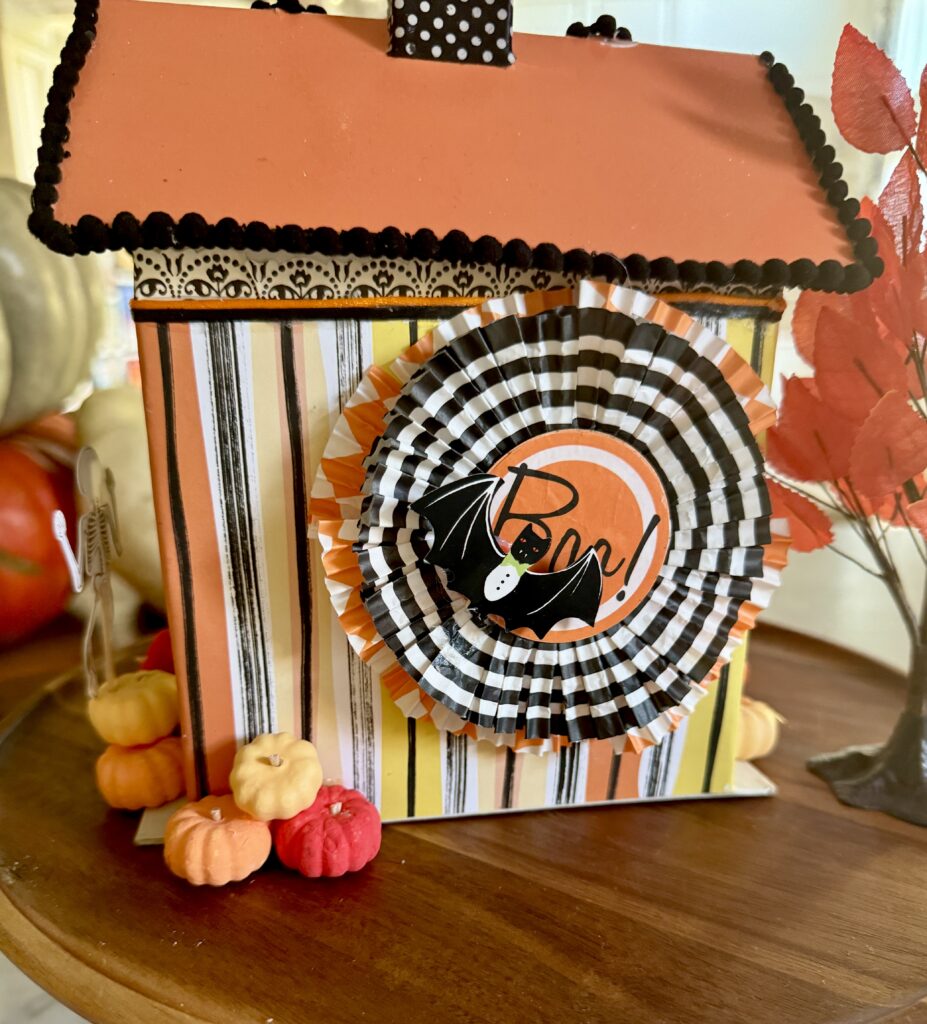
column 793, row 910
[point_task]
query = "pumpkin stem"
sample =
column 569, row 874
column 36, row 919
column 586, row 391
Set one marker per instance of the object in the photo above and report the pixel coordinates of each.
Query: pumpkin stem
column 276, row 760
column 215, row 814
column 336, row 807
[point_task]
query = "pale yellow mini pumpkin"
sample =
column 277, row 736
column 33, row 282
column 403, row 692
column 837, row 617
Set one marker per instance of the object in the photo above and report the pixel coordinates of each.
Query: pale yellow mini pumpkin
column 135, row 708
column 275, row 776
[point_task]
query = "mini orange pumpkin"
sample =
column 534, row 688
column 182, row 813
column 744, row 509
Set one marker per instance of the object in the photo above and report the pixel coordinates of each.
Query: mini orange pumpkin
column 275, row 776
column 134, row 777
column 136, row 708
column 213, row 842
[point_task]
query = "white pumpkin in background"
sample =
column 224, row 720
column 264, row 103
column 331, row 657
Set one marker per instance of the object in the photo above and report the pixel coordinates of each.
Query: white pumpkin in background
column 52, row 312
column 113, row 422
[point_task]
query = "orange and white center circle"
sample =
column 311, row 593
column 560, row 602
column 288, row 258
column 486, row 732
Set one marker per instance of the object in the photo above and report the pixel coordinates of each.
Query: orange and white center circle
column 588, row 489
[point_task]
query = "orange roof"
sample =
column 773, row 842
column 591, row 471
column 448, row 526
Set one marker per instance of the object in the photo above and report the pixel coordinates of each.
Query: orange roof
column 281, row 119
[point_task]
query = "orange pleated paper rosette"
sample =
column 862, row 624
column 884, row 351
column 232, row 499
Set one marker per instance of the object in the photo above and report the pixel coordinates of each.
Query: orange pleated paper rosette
column 597, row 425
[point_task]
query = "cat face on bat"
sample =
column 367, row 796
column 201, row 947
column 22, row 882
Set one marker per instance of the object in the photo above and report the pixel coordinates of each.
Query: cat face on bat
column 530, row 546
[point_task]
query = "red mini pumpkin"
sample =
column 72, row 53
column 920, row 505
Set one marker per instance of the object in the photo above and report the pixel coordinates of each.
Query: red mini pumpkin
column 339, row 833
column 159, row 655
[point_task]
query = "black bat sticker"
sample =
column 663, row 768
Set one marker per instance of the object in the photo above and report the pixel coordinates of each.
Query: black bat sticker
column 499, row 582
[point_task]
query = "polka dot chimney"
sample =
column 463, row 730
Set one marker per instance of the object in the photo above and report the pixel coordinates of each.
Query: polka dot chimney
column 462, row 31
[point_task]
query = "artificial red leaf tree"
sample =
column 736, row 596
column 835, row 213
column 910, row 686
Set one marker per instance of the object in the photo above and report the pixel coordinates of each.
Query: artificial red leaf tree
column 851, row 439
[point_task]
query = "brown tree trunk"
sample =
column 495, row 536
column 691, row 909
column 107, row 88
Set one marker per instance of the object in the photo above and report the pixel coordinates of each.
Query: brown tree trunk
column 892, row 777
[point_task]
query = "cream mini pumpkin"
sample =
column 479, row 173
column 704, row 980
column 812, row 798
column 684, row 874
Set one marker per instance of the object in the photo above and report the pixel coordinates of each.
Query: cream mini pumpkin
column 213, row 842
column 130, row 778
column 759, row 729
column 275, row 776
column 135, row 708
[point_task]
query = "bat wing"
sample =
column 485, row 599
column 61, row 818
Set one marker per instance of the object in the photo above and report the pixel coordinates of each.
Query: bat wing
column 542, row 599
column 463, row 539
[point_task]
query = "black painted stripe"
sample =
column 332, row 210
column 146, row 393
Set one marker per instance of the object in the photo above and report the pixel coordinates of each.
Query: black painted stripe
column 410, row 773
column 714, row 735
column 759, row 344
column 508, row 778
column 184, row 566
column 350, row 363
column 652, row 785
column 240, row 534
column 666, row 759
column 301, row 516
column 613, row 769
column 567, row 774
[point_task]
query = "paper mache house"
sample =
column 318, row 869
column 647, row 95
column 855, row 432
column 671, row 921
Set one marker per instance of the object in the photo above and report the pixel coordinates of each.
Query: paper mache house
column 312, row 214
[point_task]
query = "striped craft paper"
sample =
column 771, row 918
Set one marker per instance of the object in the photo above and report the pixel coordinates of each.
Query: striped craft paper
column 239, row 413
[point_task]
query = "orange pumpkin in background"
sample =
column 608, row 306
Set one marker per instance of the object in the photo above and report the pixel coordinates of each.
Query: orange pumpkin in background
column 34, row 581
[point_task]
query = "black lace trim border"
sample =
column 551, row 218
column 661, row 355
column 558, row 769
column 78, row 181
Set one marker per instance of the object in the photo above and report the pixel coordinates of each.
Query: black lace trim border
column 158, row 230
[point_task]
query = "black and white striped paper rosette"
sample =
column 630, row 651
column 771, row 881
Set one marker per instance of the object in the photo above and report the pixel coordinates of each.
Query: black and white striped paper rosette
column 596, row 361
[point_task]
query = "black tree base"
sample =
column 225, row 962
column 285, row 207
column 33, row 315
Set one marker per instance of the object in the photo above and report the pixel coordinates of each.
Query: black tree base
column 890, row 778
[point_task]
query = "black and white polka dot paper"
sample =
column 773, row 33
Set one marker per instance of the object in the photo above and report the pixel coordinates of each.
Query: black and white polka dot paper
column 462, row 32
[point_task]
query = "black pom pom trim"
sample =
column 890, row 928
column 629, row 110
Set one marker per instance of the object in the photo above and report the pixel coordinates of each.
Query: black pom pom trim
column 720, row 275
column 547, row 257
column 604, row 26
column 357, row 242
column 607, row 266
column 578, row 261
column 192, row 231
column 455, row 247
column 127, row 231
column 801, row 273
column 830, row 275
column 487, row 249
column 158, row 229
column 287, row 6
column 517, row 253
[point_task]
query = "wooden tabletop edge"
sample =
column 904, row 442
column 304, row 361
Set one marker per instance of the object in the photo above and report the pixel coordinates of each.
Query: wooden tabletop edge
column 86, row 990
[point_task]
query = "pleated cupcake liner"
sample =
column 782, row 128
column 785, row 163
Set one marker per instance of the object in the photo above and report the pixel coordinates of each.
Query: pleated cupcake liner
column 404, row 430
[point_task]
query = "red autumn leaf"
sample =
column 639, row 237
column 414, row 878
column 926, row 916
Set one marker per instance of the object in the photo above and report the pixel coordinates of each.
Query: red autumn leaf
column 890, row 448
column 810, row 441
column 921, row 144
column 917, row 515
column 872, row 103
column 805, row 319
column 900, row 202
column 891, row 508
column 854, row 367
column 809, row 525
column 895, row 298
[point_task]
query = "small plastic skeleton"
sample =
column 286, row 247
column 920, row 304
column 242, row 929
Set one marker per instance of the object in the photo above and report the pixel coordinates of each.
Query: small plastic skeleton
column 98, row 544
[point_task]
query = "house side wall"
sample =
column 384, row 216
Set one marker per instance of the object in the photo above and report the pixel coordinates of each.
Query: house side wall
column 239, row 412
